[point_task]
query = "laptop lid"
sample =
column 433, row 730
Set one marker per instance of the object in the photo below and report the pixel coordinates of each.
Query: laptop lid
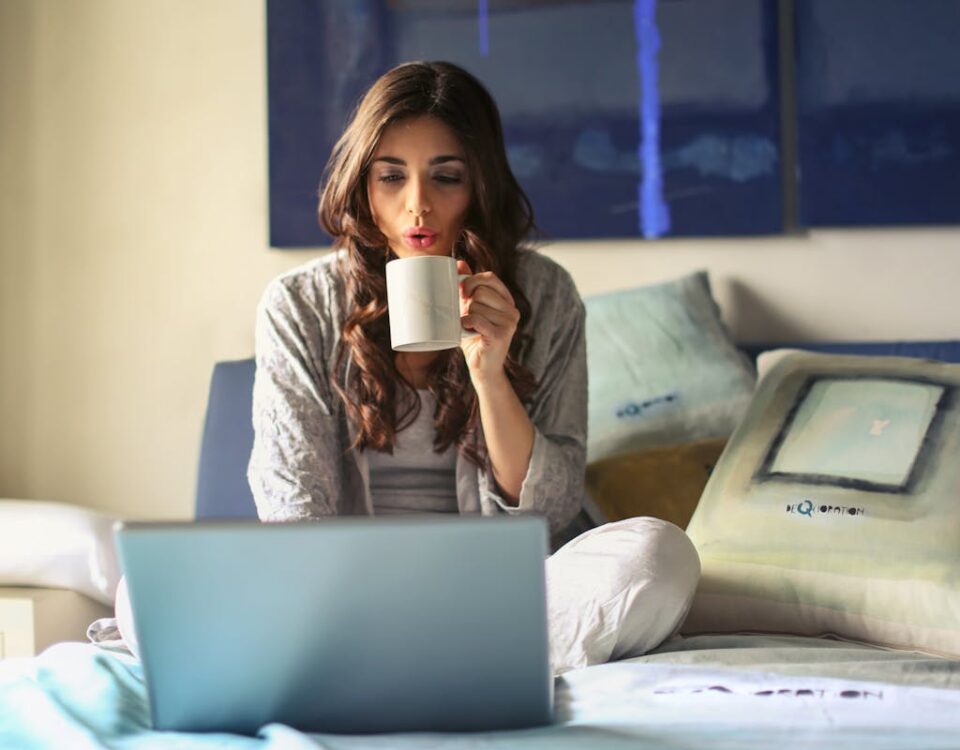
column 352, row 625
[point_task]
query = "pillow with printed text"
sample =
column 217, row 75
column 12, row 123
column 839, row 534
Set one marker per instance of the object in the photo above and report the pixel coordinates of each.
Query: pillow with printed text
column 667, row 386
column 835, row 507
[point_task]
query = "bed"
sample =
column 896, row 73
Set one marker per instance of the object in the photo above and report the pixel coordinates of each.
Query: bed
column 733, row 689
column 736, row 691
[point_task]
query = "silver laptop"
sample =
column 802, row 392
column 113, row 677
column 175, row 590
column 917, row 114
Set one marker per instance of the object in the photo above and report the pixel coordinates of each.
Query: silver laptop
column 352, row 625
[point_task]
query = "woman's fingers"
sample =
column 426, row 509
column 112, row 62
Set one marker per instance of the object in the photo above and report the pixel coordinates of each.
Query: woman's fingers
column 490, row 282
column 488, row 307
column 484, row 326
column 505, row 320
column 491, row 298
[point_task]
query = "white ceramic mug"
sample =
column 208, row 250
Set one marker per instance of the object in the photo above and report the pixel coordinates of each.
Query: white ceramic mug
column 423, row 300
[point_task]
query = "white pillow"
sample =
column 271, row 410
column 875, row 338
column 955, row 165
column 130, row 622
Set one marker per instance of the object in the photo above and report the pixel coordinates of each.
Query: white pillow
column 618, row 591
column 55, row 545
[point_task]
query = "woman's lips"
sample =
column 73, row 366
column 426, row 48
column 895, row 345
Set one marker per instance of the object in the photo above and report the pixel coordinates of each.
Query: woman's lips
column 419, row 237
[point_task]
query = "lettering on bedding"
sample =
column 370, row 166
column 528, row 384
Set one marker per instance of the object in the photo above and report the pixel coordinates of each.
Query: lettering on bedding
column 634, row 409
column 810, row 509
column 822, row 694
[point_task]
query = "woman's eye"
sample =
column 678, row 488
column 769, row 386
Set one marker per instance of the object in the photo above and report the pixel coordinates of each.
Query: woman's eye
column 448, row 179
column 390, row 177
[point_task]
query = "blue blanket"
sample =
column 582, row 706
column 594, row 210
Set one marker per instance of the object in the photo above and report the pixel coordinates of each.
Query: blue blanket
column 698, row 693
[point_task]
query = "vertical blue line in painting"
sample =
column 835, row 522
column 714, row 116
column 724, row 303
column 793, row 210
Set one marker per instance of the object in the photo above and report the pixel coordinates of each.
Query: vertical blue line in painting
column 482, row 21
column 654, row 215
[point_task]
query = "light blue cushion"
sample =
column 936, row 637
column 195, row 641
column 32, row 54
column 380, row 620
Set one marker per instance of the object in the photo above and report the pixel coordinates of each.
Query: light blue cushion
column 222, row 488
column 663, row 369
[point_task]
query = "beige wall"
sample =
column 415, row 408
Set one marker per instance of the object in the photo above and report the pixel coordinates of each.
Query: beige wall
column 133, row 247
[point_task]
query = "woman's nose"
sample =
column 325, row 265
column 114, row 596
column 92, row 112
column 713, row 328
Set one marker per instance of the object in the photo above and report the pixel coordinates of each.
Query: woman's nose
column 417, row 200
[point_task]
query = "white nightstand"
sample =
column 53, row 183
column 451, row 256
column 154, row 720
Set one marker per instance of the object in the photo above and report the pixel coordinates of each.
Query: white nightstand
column 32, row 618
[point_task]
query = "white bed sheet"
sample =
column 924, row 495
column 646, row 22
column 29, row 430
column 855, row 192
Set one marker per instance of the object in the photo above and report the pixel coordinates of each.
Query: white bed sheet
column 80, row 697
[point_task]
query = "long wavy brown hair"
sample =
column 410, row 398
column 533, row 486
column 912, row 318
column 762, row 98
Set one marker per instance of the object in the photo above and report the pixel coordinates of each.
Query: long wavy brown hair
column 498, row 223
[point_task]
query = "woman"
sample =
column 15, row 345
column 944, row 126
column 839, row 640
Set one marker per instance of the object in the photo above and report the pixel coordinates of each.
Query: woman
column 346, row 426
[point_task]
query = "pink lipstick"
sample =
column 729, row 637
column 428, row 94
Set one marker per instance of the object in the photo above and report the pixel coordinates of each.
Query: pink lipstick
column 419, row 238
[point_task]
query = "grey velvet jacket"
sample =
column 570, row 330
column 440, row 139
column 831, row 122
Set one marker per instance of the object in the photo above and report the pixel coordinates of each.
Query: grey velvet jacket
column 302, row 466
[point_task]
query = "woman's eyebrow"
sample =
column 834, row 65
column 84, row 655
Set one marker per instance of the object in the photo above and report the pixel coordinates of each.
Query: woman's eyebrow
column 443, row 159
column 446, row 158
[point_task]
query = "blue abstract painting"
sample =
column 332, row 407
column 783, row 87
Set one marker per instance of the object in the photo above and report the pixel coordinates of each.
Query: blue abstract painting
column 878, row 103
column 641, row 118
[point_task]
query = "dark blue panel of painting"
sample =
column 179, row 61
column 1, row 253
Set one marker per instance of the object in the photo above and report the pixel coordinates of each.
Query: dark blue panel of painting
column 622, row 119
column 878, row 98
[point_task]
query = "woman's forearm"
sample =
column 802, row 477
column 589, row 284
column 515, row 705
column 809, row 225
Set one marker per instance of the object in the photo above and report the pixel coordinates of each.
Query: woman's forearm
column 508, row 433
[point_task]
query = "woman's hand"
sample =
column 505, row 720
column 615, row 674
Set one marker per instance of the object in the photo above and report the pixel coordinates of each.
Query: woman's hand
column 487, row 307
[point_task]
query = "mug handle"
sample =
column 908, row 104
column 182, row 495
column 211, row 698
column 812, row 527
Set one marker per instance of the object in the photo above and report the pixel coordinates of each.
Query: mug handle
column 464, row 333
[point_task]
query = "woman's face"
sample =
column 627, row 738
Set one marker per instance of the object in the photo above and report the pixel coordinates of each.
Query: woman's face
column 418, row 187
